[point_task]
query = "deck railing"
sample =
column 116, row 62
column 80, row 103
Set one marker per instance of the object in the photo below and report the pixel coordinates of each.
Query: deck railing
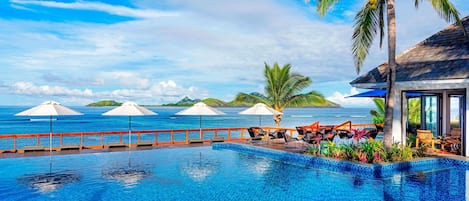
column 103, row 140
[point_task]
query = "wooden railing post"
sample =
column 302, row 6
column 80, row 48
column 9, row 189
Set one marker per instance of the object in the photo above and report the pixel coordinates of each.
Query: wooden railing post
column 61, row 139
column 156, row 138
column 14, row 143
column 138, row 136
column 187, row 136
column 38, row 140
column 172, row 137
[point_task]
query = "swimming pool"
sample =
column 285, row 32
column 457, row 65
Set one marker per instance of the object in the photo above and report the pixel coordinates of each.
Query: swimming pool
column 203, row 173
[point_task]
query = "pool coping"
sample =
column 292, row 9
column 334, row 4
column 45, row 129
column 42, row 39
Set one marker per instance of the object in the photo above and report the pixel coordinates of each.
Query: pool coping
column 380, row 170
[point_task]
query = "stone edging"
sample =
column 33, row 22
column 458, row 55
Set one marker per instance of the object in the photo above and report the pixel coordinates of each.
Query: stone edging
column 366, row 170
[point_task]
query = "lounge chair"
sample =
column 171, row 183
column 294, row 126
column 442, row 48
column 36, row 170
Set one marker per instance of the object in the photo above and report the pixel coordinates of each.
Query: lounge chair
column 196, row 141
column 278, row 136
column 425, row 137
column 70, row 147
column 116, row 145
column 452, row 141
column 33, row 148
column 144, row 144
column 217, row 139
column 256, row 133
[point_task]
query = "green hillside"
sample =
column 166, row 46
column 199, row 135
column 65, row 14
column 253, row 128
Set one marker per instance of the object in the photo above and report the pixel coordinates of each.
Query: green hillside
column 104, row 103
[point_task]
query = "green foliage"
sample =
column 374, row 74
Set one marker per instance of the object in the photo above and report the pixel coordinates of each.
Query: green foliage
column 401, row 152
column 283, row 89
column 370, row 19
column 378, row 114
column 104, row 103
column 414, row 111
column 420, row 151
column 369, row 151
column 314, row 150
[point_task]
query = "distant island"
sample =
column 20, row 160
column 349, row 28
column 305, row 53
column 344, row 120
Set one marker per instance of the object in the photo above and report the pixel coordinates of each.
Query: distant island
column 104, row 103
column 186, row 101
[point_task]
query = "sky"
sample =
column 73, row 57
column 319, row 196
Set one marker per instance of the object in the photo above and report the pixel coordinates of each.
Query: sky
column 156, row 52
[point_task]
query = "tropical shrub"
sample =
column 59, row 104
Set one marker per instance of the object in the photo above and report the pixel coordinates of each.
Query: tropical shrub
column 368, row 151
column 314, row 150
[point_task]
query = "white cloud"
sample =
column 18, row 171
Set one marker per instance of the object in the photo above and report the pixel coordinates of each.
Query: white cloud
column 341, row 98
column 206, row 48
column 111, row 9
column 128, row 79
column 28, row 88
column 157, row 93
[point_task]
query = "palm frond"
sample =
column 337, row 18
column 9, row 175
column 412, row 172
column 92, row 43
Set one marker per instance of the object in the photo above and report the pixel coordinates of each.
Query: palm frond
column 324, row 5
column 417, row 3
column 382, row 11
column 250, row 98
column 447, row 11
column 380, row 105
column 374, row 113
column 310, row 98
column 367, row 22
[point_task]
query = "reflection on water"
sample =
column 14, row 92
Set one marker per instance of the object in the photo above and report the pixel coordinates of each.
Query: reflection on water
column 198, row 169
column 49, row 182
column 129, row 177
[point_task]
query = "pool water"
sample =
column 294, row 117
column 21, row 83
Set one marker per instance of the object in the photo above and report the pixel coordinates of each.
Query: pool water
column 202, row 173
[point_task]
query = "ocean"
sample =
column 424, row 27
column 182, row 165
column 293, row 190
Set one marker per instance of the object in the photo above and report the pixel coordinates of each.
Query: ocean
column 93, row 120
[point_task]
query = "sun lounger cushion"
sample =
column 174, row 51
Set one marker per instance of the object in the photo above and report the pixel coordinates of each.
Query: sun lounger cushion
column 144, row 143
column 33, row 148
column 218, row 139
column 70, row 147
column 195, row 140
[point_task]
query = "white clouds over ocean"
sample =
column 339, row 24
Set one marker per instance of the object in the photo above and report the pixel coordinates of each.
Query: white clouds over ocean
column 155, row 52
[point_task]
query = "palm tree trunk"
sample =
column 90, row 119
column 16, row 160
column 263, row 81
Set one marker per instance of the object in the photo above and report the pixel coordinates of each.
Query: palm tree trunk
column 388, row 118
column 277, row 119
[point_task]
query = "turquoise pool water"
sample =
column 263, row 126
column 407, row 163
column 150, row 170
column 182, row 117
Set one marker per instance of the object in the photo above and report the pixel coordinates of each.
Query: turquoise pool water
column 203, row 173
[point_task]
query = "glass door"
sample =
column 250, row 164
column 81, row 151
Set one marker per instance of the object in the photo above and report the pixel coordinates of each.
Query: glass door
column 431, row 114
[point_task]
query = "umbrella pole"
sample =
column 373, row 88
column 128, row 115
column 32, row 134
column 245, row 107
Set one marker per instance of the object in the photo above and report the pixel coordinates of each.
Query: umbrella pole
column 130, row 137
column 130, row 130
column 50, row 144
column 200, row 126
column 260, row 120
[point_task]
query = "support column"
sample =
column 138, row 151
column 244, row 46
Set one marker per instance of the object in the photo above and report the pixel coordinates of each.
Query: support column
column 465, row 139
column 397, row 118
column 446, row 104
column 404, row 113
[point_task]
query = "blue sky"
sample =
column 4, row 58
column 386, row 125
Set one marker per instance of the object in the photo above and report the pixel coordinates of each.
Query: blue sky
column 154, row 52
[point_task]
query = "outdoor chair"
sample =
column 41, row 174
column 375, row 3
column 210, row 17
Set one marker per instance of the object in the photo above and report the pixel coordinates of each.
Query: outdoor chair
column 452, row 141
column 256, row 133
column 277, row 136
column 425, row 137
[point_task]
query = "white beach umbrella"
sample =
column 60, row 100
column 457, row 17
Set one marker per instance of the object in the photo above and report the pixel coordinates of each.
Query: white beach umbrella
column 200, row 109
column 129, row 109
column 260, row 109
column 49, row 108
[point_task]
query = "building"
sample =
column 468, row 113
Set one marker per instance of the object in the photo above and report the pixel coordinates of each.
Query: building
column 438, row 68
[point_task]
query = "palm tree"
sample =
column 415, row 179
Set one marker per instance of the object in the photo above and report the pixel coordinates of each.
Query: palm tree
column 368, row 21
column 282, row 90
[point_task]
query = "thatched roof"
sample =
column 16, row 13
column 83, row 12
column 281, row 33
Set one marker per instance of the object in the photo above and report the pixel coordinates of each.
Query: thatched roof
column 444, row 55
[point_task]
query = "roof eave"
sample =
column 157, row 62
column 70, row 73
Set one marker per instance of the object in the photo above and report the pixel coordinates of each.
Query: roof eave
column 379, row 85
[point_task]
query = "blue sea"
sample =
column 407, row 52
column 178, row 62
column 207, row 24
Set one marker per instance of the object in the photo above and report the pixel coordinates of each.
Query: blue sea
column 93, row 120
